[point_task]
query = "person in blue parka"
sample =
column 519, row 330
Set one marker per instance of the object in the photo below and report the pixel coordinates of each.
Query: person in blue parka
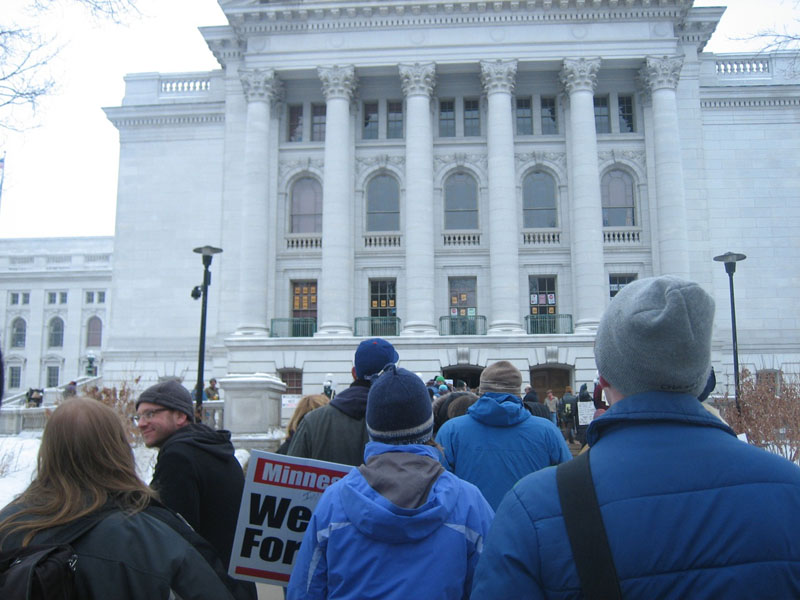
column 690, row 511
column 498, row 441
column 399, row 526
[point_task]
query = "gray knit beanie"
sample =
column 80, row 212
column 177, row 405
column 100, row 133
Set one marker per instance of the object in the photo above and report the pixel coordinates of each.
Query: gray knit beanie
column 169, row 394
column 502, row 377
column 656, row 336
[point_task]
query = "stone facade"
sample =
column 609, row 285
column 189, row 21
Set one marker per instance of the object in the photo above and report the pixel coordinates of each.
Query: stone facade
column 478, row 178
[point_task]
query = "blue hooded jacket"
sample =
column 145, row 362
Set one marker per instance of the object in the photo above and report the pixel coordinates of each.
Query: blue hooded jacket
column 498, row 442
column 361, row 545
column 690, row 512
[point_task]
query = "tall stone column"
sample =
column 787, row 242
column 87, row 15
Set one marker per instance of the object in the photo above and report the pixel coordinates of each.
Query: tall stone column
column 336, row 281
column 579, row 78
column 660, row 77
column 498, row 81
column 261, row 87
column 418, row 81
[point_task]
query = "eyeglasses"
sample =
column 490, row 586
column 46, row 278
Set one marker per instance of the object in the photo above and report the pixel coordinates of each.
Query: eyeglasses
column 147, row 415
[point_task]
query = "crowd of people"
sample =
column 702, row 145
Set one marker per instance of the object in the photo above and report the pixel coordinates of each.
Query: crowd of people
column 452, row 494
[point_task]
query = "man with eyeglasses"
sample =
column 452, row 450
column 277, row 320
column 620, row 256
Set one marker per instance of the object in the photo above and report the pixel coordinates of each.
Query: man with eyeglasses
column 196, row 474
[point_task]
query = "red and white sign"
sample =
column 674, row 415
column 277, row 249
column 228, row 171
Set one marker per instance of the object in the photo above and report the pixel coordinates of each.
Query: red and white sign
column 280, row 493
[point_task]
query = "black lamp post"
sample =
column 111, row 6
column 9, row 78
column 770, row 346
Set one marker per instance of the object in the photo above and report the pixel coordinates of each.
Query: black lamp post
column 730, row 259
column 201, row 291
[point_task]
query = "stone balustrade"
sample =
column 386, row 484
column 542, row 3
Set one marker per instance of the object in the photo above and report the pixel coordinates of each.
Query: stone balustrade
column 622, row 237
column 461, row 239
column 390, row 240
column 541, row 238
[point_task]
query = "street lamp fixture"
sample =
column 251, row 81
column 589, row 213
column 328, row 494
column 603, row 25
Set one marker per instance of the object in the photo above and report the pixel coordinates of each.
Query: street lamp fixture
column 201, row 291
column 91, row 370
column 730, row 259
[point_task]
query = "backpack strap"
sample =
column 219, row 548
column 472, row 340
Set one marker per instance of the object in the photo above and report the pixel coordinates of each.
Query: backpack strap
column 66, row 534
column 587, row 534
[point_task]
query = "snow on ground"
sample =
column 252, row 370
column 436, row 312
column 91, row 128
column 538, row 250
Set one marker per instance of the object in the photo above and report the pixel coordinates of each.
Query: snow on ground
column 18, row 463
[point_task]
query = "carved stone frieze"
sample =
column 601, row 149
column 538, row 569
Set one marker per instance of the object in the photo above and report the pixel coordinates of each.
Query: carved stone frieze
column 579, row 74
column 418, row 79
column 260, row 84
column 636, row 157
column 558, row 159
column 338, row 82
column 365, row 164
column 461, row 159
column 287, row 167
column 498, row 75
column 661, row 72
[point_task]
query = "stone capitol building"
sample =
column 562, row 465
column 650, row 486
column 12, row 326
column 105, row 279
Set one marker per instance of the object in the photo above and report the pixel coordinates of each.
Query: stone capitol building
column 472, row 180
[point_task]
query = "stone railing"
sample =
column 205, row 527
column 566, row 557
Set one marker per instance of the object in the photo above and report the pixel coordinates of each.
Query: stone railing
column 387, row 240
column 622, row 237
column 15, row 419
column 541, row 238
column 742, row 66
column 185, row 85
column 304, row 242
column 461, row 239
column 214, row 413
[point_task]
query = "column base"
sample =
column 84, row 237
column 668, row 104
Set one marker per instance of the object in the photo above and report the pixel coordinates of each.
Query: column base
column 334, row 330
column 505, row 328
column 419, row 329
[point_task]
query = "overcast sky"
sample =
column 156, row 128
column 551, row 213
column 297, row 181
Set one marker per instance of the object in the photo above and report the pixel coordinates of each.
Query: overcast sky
column 61, row 175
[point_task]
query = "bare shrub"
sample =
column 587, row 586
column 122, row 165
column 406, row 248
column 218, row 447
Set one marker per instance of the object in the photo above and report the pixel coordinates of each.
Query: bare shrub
column 770, row 414
column 123, row 401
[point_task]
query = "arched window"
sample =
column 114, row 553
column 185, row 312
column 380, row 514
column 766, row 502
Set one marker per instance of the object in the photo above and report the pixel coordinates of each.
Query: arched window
column 94, row 332
column 460, row 202
column 18, row 330
column 539, row 201
column 55, row 333
column 618, row 208
column 306, row 206
column 383, row 204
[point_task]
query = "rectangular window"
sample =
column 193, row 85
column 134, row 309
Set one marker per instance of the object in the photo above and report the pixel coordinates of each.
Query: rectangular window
column 383, row 303
column 463, row 305
column 626, row 124
column 13, row 298
column 549, row 116
column 542, row 295
column 89, row 297
column 602, row 119
column 26, row 297
column 394, row 119
column 317, row 122
column 447, row 118
column 293, row 378
column 617, row 282
column 472, row 117
column 304, row 308
column 524, row 117
column 52, row 377
column 52, row 297
column 101, row 297
column 14, row 377
column 295, row 133
column 370, row 130
column 62, row 297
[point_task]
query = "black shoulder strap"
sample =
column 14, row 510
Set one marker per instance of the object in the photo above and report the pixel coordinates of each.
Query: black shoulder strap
column 66, row 534
column 587, row 534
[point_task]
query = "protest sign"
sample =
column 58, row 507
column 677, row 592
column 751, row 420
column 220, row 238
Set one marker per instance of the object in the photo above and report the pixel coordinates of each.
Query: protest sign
column 585, row 412
column 280, row 493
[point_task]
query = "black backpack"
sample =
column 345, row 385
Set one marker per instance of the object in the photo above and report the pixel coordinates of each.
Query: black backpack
column 45, row 571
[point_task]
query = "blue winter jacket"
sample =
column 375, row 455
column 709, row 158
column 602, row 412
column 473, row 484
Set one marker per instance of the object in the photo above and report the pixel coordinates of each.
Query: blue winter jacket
column 361, row 545
column 690, row 512
column 498, row 442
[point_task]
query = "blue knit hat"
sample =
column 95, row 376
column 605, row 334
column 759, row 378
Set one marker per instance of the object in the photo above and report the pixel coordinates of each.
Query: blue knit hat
column 399, row 408
column 372, row 356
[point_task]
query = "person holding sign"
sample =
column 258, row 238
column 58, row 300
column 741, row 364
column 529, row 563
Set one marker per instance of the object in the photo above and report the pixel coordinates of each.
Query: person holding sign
column 377, row 532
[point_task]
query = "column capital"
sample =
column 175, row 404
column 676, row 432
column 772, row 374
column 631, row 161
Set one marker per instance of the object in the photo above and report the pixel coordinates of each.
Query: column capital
column 418, row 79
column 260, row 84
column 498, row 75
column 579, row 74
column 661, row 72
column 338, row 82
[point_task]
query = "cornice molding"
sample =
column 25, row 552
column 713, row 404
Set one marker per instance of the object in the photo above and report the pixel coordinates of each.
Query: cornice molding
column 284, row 17
column 129, row 121
column 725, row 103
column 418, row 79
column 498, row 76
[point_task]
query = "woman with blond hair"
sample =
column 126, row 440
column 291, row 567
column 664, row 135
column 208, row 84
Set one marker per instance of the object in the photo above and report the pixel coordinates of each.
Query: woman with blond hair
column 137, row 548
column 304, row 406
